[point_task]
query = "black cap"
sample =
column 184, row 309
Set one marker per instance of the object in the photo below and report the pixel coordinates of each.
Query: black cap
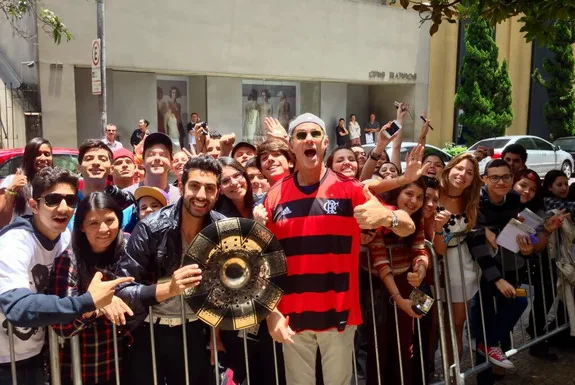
column 242, row 144
column 158, row 138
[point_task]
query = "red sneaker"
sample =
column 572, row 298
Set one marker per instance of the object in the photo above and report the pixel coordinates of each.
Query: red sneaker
column 496, row 356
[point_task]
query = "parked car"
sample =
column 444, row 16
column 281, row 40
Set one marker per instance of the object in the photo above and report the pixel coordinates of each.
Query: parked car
column 566, row 144
column 407, row 147
column 542, row 156
column 11, row 159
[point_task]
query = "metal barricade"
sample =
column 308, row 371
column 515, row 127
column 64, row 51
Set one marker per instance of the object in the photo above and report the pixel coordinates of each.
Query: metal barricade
column 463, row 365
column 456, row 367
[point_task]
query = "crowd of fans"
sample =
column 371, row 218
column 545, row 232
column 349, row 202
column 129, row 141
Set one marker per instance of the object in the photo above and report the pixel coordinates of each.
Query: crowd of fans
column 84, row 254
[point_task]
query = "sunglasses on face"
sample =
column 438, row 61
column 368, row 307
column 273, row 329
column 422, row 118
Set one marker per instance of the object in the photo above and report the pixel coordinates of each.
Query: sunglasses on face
column 53, row 200
column 302, row 135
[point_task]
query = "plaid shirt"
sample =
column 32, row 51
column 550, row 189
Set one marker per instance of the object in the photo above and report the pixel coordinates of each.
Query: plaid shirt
column 95, row 333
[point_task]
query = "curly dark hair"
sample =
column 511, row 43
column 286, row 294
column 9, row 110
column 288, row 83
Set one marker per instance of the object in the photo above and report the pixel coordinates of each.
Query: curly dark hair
column 204, row 163
column 29, row 169
column 49, row 177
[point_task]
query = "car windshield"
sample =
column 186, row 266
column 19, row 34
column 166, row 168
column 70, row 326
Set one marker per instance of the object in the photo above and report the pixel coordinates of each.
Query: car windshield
column 490, row 143
column 567, row 144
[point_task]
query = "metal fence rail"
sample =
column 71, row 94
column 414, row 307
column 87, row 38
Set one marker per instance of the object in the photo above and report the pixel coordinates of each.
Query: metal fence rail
column 453, row 369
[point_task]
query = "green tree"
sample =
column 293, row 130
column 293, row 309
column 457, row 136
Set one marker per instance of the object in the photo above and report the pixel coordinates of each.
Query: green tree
column 484, row 94
column 534, row 14
column 48, row 21
column 560, row 109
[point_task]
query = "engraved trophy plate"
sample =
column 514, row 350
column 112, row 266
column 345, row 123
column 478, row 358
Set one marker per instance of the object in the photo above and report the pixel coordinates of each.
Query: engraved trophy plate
column 240, row 260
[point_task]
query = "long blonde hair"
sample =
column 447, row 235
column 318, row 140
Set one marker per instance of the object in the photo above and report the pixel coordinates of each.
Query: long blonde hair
column 470, row 196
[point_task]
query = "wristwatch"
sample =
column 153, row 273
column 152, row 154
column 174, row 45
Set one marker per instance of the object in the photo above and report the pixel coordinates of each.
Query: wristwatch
column 394, row 220
column 374, row 156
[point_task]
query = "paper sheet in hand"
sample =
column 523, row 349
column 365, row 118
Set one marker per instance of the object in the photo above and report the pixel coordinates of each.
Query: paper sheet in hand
column 508, row 237
column 531, row 219
column 369, row 138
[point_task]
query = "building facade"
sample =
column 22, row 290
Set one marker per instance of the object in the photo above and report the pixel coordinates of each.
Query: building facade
column 234, row 62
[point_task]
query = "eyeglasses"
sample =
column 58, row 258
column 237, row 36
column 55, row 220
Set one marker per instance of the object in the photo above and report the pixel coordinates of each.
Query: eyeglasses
column 53, row 200
column 302, row 135
column 496, row 178
column 228, row 180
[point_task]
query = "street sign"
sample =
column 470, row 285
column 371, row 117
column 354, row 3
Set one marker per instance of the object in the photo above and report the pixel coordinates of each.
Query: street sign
column 96, row 67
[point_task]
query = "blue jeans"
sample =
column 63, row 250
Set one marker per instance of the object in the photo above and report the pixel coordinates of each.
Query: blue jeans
column 498, row 323
column 28, row 372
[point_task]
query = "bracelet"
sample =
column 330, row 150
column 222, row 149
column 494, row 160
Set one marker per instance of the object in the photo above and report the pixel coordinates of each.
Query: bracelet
column 391, row 298
column 374, row 156
column 440, row 233
column 10, row 192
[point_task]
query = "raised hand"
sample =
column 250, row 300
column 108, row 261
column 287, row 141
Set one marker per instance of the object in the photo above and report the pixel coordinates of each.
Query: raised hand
column 383, row 138
column 372, row 214
column 274, row 129
column 20, row 180
column 413, row 164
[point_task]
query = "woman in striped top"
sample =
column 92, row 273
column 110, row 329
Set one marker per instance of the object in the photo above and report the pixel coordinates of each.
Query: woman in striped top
column 401, row 264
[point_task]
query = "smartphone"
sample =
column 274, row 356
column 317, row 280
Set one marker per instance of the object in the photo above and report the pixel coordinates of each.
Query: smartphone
column 393, row 129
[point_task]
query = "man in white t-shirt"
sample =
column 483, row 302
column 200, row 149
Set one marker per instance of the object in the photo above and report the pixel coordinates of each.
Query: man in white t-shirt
column 29, row 247
column 110, row 138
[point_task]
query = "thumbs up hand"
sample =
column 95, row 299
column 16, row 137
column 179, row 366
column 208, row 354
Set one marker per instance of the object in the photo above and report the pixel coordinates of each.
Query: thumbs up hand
column 372, row 214
column 18, row 182
column 102, row 292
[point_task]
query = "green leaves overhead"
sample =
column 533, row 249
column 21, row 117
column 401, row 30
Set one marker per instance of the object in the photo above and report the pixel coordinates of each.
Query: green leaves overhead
column 48, row 21
column 534, row 14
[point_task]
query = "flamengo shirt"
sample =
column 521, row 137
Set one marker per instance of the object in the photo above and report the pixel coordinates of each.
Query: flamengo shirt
column 25, row 263
column 320, row 237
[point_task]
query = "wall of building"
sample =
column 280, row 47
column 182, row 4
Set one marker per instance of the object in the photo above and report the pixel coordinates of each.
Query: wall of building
column 305, row 40
column 381, row 104
column 12, row 125
column 518, row 53
column 225, row 104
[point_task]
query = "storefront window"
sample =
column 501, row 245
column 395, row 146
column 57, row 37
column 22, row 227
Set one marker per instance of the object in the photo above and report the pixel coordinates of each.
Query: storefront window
column 282, row 100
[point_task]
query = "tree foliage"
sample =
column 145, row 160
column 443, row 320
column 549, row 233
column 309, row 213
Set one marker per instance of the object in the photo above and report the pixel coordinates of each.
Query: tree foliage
column 560, row 109
column 16, row 10
column 484, row 95
column 534, row 14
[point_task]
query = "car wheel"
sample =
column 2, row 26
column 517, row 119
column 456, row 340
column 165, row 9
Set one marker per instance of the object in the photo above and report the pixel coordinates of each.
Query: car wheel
column 567, row 169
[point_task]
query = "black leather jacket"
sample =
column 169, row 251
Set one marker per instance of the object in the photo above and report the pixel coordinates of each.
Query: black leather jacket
column 153, row 252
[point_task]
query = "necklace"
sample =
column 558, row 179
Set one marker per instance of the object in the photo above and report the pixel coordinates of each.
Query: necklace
column 452, row 196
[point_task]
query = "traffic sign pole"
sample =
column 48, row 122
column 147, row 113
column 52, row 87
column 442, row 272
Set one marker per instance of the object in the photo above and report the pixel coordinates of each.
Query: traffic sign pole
column 102, row 98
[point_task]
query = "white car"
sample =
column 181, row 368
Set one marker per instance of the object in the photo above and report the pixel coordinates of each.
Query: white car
column 408, row 146
column 542, row 156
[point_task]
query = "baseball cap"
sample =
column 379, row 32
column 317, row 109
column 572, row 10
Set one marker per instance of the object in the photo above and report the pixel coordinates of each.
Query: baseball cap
column 154, row 192
column 158, row 138
column 305, row 118
column 243, row 144
column 123, row 153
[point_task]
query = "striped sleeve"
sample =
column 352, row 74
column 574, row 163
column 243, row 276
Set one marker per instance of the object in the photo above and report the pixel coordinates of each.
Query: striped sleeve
column 418, row 250
column 379, row 255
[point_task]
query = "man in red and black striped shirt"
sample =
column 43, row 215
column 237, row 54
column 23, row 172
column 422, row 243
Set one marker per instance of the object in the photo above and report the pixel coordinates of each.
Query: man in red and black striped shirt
column 312, row 214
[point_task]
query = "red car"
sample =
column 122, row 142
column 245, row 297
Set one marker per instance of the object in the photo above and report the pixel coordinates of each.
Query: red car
column 11, row 159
